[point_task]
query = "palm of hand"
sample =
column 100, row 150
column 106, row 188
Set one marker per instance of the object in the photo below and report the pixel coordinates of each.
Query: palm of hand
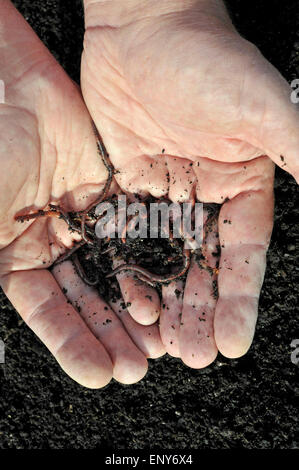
column 50, row 161
column 159, row 109
column 154, row 105
column 48, row 155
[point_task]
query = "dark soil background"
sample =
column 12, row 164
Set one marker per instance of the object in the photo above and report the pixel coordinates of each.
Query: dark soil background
column 251, row 402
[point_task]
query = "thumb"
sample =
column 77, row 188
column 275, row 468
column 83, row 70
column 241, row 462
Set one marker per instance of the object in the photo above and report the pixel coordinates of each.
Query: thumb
column 273, row 115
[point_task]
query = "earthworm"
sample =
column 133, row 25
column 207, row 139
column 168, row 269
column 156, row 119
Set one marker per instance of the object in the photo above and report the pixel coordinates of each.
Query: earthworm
column 81, row 271
column 108, row 250
column 105, row 159
column 56, row 211
column 69, row 253
column 53, row 211
column 35, row 215
column 145, row 275
column 77, row 222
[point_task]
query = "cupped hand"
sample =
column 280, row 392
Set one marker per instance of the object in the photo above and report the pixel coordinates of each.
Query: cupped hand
column 187, row 107
column 48, row 155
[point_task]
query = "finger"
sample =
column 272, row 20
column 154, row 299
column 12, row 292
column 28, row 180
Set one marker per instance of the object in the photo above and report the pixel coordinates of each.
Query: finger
column 171, row 316
column 146, row 338
column 142, row 301
column 197, row 344
column 39, row 300
column 129, row 364
column 217, row 181
column 147, row 176
column 181, row 179
column 245, row 226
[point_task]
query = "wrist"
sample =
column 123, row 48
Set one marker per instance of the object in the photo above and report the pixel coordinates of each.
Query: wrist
column 120, row 12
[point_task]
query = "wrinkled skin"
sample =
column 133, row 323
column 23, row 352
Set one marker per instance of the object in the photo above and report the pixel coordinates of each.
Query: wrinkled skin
column 187, row 83
column 149, row 85
column 48, row 155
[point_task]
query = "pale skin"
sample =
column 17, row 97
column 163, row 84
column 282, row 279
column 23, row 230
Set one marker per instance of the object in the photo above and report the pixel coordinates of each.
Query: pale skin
column 48, row 155
column 177, row 78
column 196, row 92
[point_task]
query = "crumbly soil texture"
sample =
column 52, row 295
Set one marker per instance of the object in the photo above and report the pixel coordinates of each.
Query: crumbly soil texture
column 251, row 402
column 161, row 257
